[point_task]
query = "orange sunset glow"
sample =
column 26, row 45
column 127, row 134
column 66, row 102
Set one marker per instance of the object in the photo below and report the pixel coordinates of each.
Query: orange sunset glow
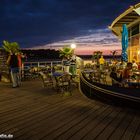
column 99, row 40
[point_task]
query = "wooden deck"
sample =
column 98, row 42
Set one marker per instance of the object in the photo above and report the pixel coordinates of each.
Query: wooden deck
column 35, row 113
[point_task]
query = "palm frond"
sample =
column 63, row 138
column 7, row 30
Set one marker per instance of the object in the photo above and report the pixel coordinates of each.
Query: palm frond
column 11, row 47
column 65, row 52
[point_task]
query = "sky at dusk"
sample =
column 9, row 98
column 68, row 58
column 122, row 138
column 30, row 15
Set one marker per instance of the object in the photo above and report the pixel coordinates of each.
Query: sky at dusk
column 55, row 23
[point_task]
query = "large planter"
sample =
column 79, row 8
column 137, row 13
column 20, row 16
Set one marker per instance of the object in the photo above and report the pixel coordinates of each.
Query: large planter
column 66, row 64
column 5, row 77
column 72, row 69
column 66, row 68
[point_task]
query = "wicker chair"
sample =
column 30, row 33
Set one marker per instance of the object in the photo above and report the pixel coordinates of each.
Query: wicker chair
column 63, row 83
column 75, row 80
column 96, row 77
column 46, row 79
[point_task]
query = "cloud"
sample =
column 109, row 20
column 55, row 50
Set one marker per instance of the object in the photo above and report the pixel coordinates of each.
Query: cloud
column 101, row 39
column 39, row 22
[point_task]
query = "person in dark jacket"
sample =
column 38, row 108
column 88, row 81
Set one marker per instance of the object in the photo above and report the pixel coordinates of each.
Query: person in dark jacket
column 115, row 79
column 14, row 69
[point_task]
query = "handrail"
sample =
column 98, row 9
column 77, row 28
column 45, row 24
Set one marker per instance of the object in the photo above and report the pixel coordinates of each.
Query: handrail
column 39, row 63
column 105, row 91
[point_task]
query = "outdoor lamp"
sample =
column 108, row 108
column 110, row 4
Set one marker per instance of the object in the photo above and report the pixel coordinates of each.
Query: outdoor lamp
column 73, row 46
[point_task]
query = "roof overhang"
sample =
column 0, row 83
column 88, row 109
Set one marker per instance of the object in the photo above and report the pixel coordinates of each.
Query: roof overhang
column 130, row 17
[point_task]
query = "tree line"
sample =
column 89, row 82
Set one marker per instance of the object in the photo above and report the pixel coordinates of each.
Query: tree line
column 41, row 54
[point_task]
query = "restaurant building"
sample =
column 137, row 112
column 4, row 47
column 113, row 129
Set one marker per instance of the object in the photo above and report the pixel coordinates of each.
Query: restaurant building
column 131, row 17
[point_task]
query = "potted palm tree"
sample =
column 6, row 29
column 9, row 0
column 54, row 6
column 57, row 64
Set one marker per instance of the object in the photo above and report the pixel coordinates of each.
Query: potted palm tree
column 96, row 55
column 66, row 53
column 11, row 47
column 114, row 53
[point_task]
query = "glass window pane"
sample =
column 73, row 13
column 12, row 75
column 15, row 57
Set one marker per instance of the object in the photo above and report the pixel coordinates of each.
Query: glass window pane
column 135, row 29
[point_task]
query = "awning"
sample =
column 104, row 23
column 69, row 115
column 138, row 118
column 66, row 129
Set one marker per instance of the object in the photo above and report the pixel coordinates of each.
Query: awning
column 129, row 17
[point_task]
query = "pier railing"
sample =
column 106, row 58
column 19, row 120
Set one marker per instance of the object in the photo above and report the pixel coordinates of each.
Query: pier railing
column 120, row 96
column 42, row 63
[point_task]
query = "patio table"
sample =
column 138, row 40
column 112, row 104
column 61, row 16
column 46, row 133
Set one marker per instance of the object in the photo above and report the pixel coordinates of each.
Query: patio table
column 133, row 83
column 57, row 74
column 62, row 81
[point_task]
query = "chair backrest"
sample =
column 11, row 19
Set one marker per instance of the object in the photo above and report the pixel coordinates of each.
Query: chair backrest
column 97, row 74
column 66, row 77
column 43, row 75
column 63, row 80
column 47, row 79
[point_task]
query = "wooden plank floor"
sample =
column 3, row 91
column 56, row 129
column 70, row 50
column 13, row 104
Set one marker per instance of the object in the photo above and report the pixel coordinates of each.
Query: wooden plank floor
column 32, row 112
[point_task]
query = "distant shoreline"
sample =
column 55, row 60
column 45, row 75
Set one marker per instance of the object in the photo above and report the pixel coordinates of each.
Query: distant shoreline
column 105, row 56
column 84, row 57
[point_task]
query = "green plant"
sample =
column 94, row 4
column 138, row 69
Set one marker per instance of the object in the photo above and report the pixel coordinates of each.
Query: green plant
column 114, row 54
column 96, row 55
column 11, row 46
column 66, row 52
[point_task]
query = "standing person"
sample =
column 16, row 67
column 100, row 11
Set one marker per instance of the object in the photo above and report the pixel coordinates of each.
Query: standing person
column 14, row 69
column 134, row 65
column 101, row 62
column 115, row 79
column 66, row 65
column 21, row 60
column 126, row 74
column 123, row 64
column 139, row 66
column 73, row 65
column 19, row 56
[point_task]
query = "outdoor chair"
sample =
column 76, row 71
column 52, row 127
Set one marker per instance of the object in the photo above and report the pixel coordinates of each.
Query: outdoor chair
column 103, row 78
column 96, row 77
column 63, row 83
column 29, row 73
column 116, row 83
column 75, row 80
column 46, row 79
